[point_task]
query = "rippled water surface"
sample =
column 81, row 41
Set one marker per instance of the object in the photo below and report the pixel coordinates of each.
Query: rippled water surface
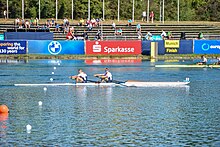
column 109, row 116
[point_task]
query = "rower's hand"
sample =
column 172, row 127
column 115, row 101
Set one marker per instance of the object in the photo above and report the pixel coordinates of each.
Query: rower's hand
column 96, row 75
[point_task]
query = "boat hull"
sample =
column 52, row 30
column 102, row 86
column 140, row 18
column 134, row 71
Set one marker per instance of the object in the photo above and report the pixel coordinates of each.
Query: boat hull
column 127, row 84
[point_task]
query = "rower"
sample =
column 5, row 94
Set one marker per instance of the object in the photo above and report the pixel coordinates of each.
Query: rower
column 80, row 78
column 106, row 77
column 218, row 61
column 204, row 60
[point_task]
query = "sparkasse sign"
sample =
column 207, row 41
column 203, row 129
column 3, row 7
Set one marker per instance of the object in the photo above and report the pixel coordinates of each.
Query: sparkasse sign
column 113, row 47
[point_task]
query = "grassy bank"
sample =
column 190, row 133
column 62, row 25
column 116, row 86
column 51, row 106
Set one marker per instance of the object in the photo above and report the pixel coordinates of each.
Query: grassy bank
column 82, row 57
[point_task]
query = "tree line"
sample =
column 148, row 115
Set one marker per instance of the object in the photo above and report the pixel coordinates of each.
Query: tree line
column 190, row 10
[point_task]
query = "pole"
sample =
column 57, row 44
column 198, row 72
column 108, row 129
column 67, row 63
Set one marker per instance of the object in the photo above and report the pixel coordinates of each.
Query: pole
column 22, row 5
column 39, row 9
column 178, row 10
column 7, row 9
column 148, row 10
column 89, row 9
column 118, row 9
column 72, row 9
column 163, row 11
column 56, row 9
column 103, row 5
column 133, row 12
column 160, row 11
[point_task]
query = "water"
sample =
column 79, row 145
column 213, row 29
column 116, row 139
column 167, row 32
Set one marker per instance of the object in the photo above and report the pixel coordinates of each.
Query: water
column 109, row 116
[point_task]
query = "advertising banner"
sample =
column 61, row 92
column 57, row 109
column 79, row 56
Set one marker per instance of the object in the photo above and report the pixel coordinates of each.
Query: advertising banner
column 206, row 46
column 171, row 43
column 13, row 47
column 113, row 47
column 171, row 46
column 50, row 47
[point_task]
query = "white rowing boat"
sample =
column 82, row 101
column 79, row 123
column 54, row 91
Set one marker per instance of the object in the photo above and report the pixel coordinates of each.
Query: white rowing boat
column 155, row 84
column 188, row 66
column 127, row 84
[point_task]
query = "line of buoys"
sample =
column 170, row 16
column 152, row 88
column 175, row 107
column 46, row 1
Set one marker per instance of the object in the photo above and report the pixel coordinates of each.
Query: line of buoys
column 4, row 109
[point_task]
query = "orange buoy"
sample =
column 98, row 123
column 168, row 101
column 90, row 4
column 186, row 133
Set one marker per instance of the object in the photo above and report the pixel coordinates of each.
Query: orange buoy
column 4, row 109
column 3, row 117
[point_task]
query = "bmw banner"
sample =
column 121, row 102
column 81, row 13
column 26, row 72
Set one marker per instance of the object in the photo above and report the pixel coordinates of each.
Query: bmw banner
column 207, row 47
column 52, row 47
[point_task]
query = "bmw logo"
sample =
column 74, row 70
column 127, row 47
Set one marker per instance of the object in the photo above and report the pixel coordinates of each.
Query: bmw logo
column 205, row 46
column 54, row 47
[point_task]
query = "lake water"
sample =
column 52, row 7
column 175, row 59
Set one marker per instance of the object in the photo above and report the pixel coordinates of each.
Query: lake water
column 109, row 116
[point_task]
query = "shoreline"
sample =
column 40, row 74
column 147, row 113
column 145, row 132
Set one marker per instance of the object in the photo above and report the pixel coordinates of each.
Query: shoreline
column 83, row 57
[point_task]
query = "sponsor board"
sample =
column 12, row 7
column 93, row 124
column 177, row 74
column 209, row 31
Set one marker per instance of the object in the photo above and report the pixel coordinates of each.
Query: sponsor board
column 171, row 51
column 113, row 47
column 12, row 47
column 171, row 46
column 112, row 61
column 171, row 43
column 207, row 46
column 50, row 47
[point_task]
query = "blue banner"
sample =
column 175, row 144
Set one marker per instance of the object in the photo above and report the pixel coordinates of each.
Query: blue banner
column 186, row 47
column 207, row 47
column 50, row 47
column 13, row 47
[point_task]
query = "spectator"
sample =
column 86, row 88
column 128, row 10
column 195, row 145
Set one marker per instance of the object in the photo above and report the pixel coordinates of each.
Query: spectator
column 200, row 35
column 32, row 22
column 5, row 14
column 169, row 35
column 17, row 21
column 148, row 36
column 89, row 27
column 66, row 22
column 57, row 27
column 87, row 22
column 98, row 22
column 93, row 22
column 70, row 35
column 113, row 25
column 36, row 20
column 163, row 34
column 139, row 34
column 52, row 22
column 98, row 35
column 118, row 31
column 138, row 27
column 129, row 22
column 85, row 35
column 27, row 24
column 144, row 16
column 152, row 16
column 81, row 22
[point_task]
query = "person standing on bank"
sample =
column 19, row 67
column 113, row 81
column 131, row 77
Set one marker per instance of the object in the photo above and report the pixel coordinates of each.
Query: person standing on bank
column 106, row 77
column 5, row 13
